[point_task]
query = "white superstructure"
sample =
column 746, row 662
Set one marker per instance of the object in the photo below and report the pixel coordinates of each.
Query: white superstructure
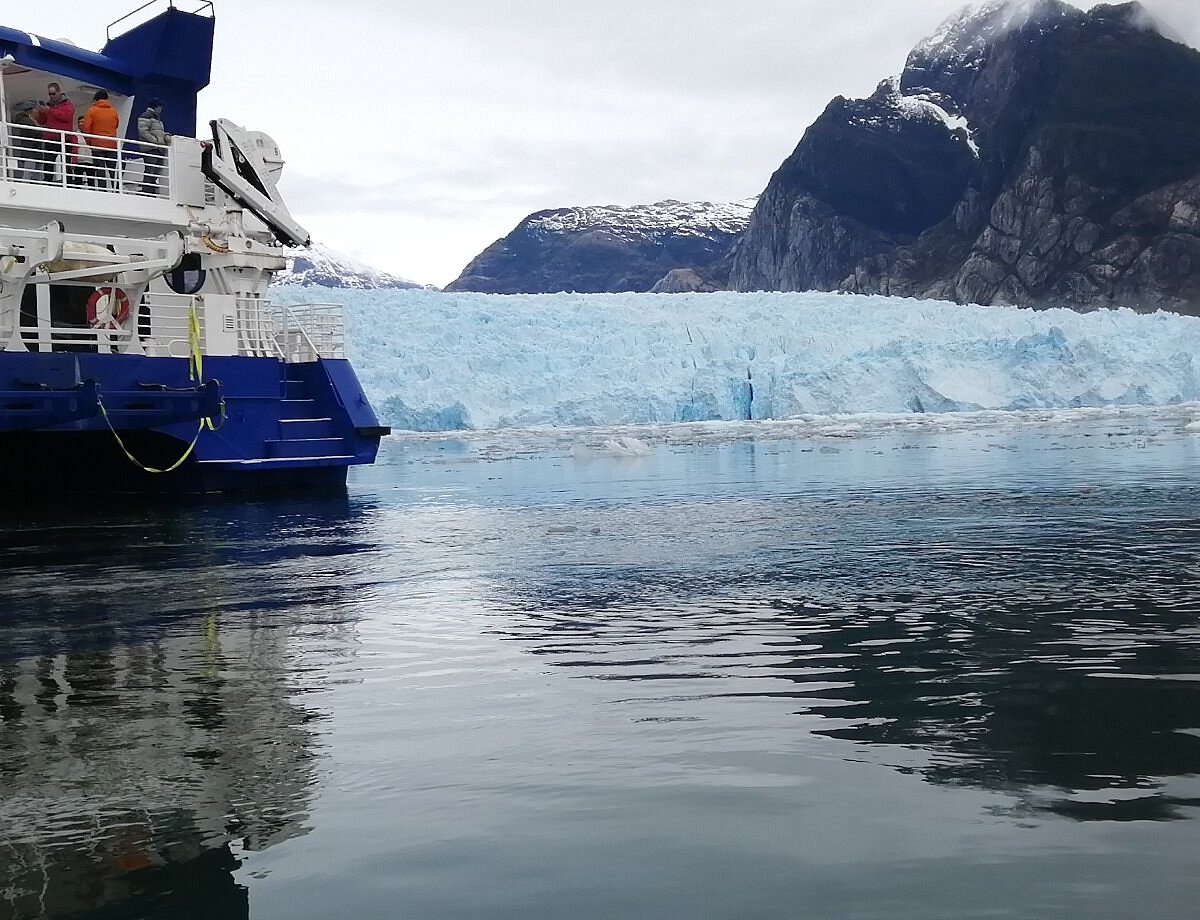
column 91, row 257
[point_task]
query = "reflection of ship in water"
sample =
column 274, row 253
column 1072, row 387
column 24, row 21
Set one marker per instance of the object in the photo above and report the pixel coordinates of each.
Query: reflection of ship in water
column 152, row 727
column 130, row 772
column 1081, row 702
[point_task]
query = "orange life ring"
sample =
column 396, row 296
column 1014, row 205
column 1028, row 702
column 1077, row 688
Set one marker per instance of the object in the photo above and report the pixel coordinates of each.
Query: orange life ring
column 108, row 308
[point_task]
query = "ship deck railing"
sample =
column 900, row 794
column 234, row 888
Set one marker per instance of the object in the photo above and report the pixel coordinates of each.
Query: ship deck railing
column 161, row 326
column 306, row 332
column 43, row 156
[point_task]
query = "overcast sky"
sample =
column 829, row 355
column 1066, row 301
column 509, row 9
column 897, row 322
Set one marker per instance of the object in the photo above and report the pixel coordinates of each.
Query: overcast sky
column 417, row 132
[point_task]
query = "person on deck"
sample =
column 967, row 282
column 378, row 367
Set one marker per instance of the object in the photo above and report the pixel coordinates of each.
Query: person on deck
column 26, row 140
column 154, row 137
column 57, row 116
column 82, row 170
column 100, row 123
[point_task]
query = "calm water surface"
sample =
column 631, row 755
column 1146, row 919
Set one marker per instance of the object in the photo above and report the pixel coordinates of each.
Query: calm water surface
column 899, row 674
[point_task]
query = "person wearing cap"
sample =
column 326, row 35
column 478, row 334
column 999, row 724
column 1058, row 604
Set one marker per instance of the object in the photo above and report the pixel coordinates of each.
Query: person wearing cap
column 27, row 140
column 100, row 123
column 154, row 137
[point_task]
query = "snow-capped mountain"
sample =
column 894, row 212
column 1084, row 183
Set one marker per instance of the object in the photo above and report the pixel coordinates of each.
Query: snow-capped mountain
column 963, row 40
column 1030, row 153
column 320, row 266
column 608, row 249
column 679, row 218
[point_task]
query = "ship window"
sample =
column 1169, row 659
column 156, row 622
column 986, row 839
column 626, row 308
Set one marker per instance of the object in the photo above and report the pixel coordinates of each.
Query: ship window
column 188, row 278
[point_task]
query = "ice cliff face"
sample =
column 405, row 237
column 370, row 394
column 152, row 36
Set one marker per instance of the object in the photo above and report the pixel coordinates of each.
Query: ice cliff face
column 608, row 249
column 436, row 361
column 320, row 266
column 1030, row 153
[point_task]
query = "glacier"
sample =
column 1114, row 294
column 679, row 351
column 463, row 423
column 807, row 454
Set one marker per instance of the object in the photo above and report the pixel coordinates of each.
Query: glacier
column 434, row 361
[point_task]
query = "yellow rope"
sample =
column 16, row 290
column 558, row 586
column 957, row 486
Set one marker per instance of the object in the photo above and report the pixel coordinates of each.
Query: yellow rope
column 196, row 357
column 150, row 469
column 195, row 372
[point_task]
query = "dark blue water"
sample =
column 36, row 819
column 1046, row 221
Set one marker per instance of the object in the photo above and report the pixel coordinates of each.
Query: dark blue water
column 908, row 673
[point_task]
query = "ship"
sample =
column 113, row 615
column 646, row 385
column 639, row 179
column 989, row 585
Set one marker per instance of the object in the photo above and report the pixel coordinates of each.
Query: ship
column 140, row 350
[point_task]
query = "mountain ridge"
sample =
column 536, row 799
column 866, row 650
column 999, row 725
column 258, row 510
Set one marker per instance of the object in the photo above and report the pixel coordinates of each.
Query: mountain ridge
column 607, row 248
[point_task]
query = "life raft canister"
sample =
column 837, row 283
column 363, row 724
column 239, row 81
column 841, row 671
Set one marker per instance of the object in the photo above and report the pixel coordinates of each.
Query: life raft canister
column 108, row 308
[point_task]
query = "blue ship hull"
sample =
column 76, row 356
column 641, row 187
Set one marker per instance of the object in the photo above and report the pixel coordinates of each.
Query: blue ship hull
column 151, row 254
column 69, row 423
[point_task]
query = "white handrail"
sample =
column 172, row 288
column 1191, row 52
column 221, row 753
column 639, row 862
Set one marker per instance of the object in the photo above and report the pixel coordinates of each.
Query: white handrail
column 159, row 326
column 309, row 332
column 73, row 159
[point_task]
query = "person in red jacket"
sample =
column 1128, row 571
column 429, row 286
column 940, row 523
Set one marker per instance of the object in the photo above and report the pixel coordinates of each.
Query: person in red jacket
column 57, row 116
column 100, row 123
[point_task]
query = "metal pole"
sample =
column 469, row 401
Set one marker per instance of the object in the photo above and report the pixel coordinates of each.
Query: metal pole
column 4, row 148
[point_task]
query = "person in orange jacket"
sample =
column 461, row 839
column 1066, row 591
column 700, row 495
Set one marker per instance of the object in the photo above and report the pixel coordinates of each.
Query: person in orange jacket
column 100, row 123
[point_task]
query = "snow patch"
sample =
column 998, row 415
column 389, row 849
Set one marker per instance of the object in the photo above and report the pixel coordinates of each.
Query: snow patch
column 320, row 266
column 921, row 107
column 696, row 218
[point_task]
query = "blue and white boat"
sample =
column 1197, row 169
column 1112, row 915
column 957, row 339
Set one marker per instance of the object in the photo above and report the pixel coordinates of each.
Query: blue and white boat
column 139, row 349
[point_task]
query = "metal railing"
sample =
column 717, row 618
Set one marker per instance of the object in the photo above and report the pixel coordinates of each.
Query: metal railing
column 160, row 326
column 306, row 332
column 165, row 324
column 256, row 328
column 149, row 10
column 62, row 337
column 72, row 159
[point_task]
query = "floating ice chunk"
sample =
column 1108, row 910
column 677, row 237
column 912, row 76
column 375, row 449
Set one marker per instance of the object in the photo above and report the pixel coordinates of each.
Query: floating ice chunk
column 619, row 446
column 626, row 447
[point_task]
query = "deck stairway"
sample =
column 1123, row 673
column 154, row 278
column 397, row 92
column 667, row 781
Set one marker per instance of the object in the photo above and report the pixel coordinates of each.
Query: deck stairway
column 306, row 432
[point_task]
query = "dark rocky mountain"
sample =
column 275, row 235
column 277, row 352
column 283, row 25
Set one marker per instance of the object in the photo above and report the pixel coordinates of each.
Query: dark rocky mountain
column 1030, row 153
column 684, row 281
column 610, row 249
